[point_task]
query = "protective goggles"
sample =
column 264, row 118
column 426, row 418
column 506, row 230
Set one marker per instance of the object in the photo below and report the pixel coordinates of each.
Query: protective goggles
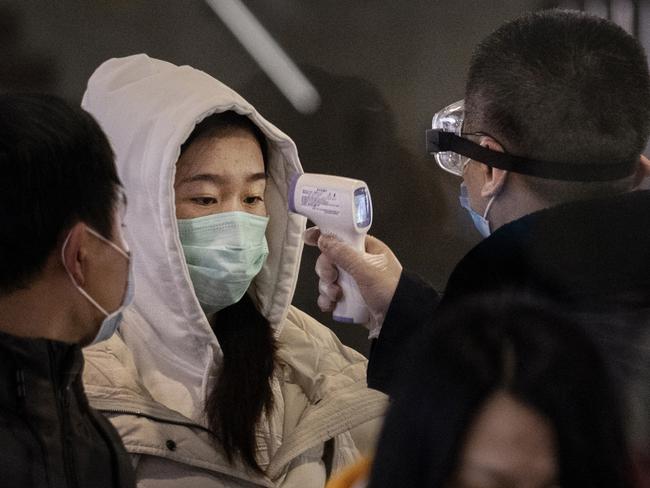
column 452, row 152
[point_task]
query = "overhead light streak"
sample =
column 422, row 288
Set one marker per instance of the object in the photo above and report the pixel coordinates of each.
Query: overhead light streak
column 273, row 60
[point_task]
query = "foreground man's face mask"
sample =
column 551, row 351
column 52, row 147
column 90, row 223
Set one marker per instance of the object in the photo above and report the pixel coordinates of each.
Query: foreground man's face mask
column 224, row 252
column 112, row 320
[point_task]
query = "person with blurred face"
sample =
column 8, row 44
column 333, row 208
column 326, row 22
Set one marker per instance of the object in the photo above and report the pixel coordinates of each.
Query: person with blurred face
column 548, row 141
column 64, row 283
column 217, row 380
column 507, row 392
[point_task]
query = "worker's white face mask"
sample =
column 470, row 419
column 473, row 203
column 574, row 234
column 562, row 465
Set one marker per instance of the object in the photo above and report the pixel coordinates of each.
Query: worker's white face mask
column 224, row 252
column 481, row 222
column 112, row 320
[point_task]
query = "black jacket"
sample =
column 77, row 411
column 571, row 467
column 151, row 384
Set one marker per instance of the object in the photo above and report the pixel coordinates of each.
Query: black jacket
column 593, row 256
column 50, row 437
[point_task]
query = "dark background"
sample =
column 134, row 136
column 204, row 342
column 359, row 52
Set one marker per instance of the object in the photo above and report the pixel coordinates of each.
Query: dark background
column 382, row 69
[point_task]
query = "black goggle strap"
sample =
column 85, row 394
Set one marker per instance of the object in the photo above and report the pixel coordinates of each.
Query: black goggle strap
column 440, row 141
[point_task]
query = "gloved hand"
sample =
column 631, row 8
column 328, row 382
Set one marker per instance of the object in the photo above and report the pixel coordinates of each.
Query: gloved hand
column 376, row 273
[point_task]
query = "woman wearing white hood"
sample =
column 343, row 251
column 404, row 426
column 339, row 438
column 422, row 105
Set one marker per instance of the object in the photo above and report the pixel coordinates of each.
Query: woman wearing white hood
column 214, row 380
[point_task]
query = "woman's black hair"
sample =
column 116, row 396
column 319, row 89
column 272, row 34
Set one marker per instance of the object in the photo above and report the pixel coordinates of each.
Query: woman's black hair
column 540, row 356
column 242, row 393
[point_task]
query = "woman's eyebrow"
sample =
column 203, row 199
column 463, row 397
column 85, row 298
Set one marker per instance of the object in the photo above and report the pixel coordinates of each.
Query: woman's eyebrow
column 218, row 179
column 209, row 177
column 256, row 177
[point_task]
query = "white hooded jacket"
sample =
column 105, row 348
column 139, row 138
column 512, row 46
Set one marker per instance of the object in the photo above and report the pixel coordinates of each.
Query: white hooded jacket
column 152, row 378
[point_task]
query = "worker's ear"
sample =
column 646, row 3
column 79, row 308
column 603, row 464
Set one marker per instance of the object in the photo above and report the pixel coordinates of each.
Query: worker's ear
column 494, row 179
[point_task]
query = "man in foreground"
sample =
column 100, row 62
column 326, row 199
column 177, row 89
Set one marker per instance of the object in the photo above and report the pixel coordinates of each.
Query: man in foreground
column 64, row 281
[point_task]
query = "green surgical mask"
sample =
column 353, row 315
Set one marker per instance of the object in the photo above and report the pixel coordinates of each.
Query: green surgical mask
column 224, row 252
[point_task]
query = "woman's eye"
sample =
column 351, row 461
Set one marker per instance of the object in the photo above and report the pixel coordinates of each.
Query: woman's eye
column 252, row 200
column 204, row 200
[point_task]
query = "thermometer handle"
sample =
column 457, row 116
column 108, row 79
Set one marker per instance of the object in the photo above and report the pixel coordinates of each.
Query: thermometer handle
column 351, row 308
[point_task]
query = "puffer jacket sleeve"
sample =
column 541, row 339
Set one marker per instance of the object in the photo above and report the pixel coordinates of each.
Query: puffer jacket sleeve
column 339, row 406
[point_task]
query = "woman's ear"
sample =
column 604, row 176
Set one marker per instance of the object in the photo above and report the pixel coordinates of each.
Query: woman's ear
column 75, row 252
column 494, row 179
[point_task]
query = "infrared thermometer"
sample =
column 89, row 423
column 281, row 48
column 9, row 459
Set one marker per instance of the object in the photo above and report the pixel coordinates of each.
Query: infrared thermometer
column 340, row 207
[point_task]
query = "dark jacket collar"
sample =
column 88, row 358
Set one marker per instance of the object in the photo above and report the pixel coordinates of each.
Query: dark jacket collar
column 37, row 359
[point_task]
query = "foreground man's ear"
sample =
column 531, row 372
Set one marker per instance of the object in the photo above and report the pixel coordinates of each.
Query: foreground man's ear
column 75, row 252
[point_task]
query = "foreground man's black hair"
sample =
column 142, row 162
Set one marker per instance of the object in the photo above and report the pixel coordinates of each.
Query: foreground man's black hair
column 56, row 168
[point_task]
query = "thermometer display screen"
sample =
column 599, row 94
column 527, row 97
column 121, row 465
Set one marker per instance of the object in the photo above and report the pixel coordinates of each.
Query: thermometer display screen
column 362, row 209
